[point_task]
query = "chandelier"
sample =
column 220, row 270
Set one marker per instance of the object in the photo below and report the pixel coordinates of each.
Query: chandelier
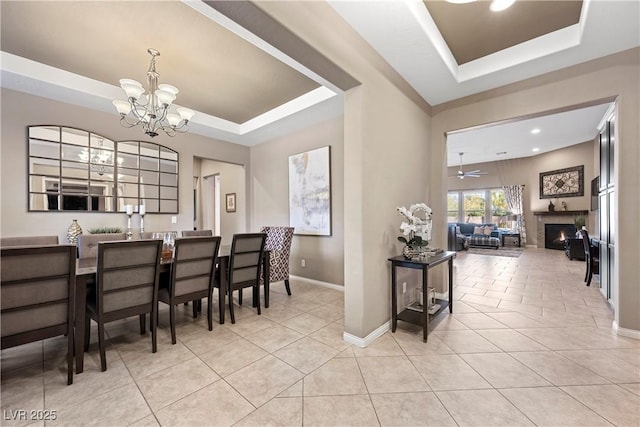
column 100, row 161
column 151, row 111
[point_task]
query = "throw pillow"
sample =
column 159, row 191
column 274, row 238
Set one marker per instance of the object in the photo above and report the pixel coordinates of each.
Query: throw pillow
column 478, row 230
column 458, row 230
column 488, row 230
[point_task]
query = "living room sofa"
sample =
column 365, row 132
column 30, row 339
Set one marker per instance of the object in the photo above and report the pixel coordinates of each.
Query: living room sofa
column 463, row 235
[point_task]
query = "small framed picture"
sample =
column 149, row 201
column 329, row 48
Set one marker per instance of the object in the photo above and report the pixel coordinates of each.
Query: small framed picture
column 231, row 202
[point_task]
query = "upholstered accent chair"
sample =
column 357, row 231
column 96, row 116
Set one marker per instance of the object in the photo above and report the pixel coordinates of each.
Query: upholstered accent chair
column 192, row 277
column 197, row 233
column 278, row 244
column 7, row 242
column 38, row 295
column 126, row 285
column 88, row 243
column 591, row 256
column 245, row 261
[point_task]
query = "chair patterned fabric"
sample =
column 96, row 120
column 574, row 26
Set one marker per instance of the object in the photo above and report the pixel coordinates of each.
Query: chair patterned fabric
column 278, row 244
column 7, row 242
column 38, row 295
column 88, row 243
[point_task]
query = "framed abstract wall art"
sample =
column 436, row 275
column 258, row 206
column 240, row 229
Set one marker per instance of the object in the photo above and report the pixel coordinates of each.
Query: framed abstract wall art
column 567, row 182
column 310, row 192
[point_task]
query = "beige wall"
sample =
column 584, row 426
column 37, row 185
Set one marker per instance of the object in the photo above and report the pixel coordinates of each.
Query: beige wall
column 323, row 255
column 526, row 171
column 232, row 180
column 386, row 135
column 20, row 110
column 616, row 76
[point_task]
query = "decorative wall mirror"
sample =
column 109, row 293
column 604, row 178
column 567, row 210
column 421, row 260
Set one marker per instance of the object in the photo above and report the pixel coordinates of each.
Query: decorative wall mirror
column 76, row 170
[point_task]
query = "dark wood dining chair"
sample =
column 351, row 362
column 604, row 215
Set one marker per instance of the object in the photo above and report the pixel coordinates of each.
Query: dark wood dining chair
column 38, row 295
column 591, row 256
column 245, row 261
column 7, row 242
column 197, row 233
column 192, row 277
column 126, row 285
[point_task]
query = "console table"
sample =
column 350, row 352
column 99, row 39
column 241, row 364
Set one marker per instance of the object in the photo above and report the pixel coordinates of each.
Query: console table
column 413, row 316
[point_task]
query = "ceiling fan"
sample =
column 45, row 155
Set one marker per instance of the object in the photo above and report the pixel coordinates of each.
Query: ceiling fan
column 473, row 174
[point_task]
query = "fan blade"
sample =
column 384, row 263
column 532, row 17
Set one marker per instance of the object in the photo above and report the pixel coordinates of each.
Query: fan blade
column 474, row 171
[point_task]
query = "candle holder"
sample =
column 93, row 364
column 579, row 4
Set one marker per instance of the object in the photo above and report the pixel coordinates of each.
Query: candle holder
column 142, row 223
column 129, row 232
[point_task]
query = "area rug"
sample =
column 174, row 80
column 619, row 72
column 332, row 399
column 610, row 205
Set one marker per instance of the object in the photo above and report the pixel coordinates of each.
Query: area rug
column 509, row 251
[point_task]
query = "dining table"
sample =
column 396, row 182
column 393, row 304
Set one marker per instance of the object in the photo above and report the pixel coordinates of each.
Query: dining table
column 86, row 269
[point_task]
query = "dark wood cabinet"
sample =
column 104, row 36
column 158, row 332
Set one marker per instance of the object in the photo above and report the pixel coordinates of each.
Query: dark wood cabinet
column 606, row 208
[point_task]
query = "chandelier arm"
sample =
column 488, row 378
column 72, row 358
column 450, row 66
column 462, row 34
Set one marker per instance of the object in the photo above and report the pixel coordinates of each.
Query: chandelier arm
column 124, row 120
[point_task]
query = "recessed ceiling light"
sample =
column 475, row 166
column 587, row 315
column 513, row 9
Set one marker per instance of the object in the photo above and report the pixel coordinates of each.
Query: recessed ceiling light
column 499, row 5
column 535, row 131
column 535, row 150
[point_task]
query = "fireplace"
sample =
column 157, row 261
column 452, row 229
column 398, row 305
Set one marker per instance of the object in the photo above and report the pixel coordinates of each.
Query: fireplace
column 556, row 234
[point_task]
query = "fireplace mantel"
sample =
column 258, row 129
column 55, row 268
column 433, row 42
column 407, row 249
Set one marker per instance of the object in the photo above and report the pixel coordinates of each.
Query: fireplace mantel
column 561, row 213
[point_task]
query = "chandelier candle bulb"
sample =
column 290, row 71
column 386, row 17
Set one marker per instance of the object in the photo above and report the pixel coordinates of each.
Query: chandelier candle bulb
column 128, row 209
column 142, row 210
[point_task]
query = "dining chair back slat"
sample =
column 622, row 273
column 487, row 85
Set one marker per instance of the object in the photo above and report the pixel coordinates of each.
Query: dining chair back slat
column 7, row 242
column 197, row 233
column 37, row 295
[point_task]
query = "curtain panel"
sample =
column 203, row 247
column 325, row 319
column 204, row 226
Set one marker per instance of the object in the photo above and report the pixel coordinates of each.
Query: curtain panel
column 514, row 195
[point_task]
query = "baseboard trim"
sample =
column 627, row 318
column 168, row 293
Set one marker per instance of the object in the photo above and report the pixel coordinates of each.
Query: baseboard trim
column 318, row 283
column 364, row 342
column 624, row 332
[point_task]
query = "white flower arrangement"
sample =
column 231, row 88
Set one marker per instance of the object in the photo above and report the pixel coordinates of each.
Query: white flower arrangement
column 416, row 231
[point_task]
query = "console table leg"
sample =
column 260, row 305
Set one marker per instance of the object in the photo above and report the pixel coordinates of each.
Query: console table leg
column 394, row 300
column 425, row 312
column 450, row 285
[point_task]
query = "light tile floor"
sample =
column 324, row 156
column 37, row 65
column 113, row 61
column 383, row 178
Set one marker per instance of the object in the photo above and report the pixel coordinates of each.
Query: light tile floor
column 528, row 344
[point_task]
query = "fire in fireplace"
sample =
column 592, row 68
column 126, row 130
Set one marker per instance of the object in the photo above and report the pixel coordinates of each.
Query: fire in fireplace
column 556, row 234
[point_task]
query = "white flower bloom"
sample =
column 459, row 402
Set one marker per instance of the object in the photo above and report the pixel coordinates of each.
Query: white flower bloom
column 418, row 221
